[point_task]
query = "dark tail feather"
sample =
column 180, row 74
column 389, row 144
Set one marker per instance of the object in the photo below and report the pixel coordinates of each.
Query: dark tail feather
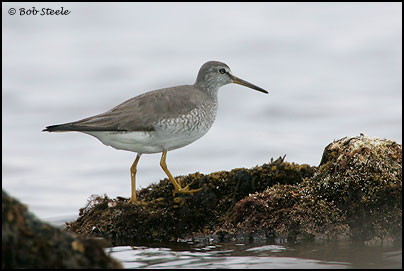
column 59, row 128
column 72, row 127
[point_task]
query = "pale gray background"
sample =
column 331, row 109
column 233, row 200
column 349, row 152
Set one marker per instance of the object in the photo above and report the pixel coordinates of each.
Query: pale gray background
column 332, row 69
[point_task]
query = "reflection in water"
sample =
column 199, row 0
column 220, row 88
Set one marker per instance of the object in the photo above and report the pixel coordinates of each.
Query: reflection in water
column 258, row 255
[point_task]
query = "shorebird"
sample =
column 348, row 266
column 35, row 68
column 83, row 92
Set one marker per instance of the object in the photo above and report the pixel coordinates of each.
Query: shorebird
column 160, row 120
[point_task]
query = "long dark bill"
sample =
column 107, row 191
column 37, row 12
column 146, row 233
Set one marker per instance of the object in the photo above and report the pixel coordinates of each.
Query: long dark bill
column 247, row 84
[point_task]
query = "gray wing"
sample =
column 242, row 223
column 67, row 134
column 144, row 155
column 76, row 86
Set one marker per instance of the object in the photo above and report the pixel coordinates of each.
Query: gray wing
column 141, row 112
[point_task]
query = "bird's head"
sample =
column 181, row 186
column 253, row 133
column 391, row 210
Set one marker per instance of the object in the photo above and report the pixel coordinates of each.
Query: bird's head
column 215, row 74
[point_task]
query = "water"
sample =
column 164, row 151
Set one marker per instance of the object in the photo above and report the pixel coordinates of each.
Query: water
column 339, row 255
column 332, row 69
column 259, row 254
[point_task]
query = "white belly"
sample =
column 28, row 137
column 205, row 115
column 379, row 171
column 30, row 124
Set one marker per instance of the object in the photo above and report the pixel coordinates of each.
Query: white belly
column 146, row 142
column 169, row 134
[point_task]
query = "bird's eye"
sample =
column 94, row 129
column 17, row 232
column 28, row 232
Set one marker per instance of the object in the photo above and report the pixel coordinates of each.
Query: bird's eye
column 222, row 71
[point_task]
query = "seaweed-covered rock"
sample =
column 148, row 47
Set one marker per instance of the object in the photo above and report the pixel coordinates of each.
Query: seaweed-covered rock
column 355, row 193
column 164, row 217
column 29, row 243
column 362, row 176
column 285, row 212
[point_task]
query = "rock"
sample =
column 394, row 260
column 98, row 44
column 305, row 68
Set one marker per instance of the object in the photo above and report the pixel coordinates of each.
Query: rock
column 29, row 243
column 162, row 217
column 362, row 176
column 285, row 212
column 355, row 194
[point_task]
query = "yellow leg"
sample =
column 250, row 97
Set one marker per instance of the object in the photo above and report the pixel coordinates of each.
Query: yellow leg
column 133, row 178
column 177, row 186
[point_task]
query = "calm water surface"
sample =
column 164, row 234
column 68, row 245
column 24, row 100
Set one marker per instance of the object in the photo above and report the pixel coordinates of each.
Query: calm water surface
column 258, row 255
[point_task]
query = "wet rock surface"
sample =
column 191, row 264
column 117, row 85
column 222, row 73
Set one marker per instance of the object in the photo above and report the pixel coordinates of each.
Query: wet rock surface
column 162, row 217
column 362, row 176
column 285, row 212
column 29, row 243
column 355, row 194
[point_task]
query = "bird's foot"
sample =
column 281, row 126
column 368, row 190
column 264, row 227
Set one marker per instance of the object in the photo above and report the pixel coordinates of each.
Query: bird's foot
column 134, row 201
column 186, row 190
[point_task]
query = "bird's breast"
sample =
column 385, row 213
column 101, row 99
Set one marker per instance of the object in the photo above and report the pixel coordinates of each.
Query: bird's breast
column 168, row 134
column 196, row 122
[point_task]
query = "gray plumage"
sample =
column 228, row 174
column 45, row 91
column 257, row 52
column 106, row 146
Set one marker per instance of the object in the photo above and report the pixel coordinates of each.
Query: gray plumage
column 142, row 112
column 160, row 120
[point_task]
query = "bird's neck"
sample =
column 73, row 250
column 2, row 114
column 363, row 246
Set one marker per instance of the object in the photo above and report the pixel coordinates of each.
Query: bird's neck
column 210, row 89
